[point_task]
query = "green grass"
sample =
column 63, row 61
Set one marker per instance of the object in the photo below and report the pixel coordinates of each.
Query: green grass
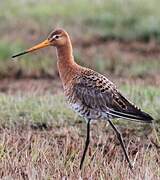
column 8, row 49
column 144, row 68
column 116, row 18
column 31, row 108
column 52, row 108
column 28, row 65
column 128, row 20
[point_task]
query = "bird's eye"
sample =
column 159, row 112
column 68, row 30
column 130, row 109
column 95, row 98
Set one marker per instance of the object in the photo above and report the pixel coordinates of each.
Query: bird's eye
column 56, row 37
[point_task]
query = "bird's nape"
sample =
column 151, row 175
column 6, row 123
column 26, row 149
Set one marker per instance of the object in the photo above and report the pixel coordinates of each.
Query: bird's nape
column 34, row 48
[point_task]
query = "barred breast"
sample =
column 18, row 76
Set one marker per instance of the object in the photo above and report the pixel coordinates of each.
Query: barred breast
column 79, row 107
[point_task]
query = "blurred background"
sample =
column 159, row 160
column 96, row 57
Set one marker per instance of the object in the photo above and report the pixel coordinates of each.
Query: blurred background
column 119, row 38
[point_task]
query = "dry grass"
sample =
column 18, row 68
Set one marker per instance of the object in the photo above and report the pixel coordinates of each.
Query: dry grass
column 41, row 139
column 54, row 153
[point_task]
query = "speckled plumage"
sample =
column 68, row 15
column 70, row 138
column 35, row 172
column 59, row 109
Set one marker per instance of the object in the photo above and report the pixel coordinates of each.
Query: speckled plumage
column 93, row 96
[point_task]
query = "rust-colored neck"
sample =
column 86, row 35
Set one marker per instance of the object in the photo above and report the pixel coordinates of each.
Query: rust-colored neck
column 66, row 64
column 65, row 53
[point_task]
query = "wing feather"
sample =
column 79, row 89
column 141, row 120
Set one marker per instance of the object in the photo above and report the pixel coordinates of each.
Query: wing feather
column 97, row 92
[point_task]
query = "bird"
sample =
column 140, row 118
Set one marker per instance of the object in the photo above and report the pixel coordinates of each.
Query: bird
column 89, row 93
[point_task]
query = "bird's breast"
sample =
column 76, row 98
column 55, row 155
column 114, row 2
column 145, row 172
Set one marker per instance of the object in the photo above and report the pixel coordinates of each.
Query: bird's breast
column 80, row 107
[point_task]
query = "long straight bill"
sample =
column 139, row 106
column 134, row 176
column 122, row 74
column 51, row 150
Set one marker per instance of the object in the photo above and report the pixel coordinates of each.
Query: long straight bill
column 34, row 48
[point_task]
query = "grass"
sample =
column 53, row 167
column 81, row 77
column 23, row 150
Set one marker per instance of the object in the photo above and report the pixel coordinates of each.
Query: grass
column 129, row 20
column 42, row 139
column 132, row 19
column 56, row 153
column 33, row 109
column 52, row 108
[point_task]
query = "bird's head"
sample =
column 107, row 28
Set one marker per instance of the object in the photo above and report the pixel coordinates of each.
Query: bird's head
column 56, row 38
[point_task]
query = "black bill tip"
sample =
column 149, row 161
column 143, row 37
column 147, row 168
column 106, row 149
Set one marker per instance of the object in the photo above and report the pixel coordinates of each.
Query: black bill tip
column 19, row 54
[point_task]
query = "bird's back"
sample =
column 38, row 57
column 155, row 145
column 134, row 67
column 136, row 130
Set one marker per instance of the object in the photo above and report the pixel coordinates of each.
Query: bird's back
column 93, row 96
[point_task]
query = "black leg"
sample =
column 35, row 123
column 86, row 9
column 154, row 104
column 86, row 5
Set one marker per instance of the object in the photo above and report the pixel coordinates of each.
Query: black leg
column 122, row 144
column 86, row 143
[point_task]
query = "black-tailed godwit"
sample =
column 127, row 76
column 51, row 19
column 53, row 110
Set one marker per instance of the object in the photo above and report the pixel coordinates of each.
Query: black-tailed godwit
column 89, row 93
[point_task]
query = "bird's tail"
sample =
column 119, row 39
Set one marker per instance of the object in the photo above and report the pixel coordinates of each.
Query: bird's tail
column 130, row 112
column 138, row 116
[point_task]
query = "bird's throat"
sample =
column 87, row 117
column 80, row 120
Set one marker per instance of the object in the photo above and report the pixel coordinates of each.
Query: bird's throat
column 65, row 54
column 66, row 64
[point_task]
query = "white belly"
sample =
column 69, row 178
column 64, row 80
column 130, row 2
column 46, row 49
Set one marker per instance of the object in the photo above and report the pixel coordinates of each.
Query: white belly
column 85, row 112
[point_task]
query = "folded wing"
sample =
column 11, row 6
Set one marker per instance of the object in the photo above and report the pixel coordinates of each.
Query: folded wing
column 97, row 92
